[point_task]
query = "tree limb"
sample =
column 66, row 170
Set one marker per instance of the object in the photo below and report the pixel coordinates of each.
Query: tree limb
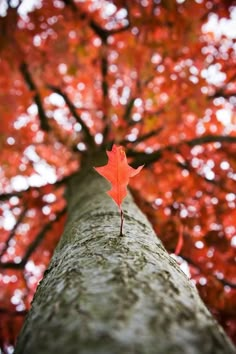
column 101, row 32
column 128, row 109
column 147, row 159
column 73, row 111
column 13, row 313
column 32, row 247
column 143, row 137
column 6, row 196
column 12, row 233
column 104, row 71
column 44, row 125
column 220, row 92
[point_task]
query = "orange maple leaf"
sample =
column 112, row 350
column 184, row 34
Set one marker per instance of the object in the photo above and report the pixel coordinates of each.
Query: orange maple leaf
column 118, row 172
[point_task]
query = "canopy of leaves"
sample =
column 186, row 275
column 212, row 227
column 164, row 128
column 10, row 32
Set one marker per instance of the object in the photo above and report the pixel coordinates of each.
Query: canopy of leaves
column 77, row 76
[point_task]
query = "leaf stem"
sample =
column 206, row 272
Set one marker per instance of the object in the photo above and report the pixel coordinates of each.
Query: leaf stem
column 121, row 222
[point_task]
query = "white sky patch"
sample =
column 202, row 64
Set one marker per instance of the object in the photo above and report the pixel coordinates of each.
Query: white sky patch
column 233, row 241
column 10, row 140
column 44, row 173
column 47, row 173
column 56, row 99
column 25, row 7
column 131, row 137
column 46, row 210
column 221, row 26
column 14, row 200
column 31, row 154
column 209, row 174
column 28, row 6
column 109, row 10
column 21, row 121
column 230, row 197
column 60, row 117
column 121, row 14
column 98, row 138
column 35, row 180
column 199, row 244
column 19, row 183
column 3, row 8
column 32, row 109
column 224, row 165
column 49, row 198
column 224, row 116
column 7, row 221
column 213, row 75
column 125, row 95
column 81, row 147
column 182, row 264
column 31, row 267
column 77, row 127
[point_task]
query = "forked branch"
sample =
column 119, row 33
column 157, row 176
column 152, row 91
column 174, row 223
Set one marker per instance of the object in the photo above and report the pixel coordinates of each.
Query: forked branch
column 74, row 113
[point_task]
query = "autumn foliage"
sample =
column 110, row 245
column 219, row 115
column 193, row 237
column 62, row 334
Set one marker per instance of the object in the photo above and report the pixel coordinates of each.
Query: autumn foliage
column 79, row 76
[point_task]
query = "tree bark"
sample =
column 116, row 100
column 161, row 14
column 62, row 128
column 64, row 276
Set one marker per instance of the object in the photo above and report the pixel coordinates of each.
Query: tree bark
column 107, row 294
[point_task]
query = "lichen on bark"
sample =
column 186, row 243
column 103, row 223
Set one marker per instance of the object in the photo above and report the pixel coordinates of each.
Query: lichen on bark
column 106, row 294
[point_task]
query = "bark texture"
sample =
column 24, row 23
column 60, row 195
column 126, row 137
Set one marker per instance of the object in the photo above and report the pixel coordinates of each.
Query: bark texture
column 106, row 294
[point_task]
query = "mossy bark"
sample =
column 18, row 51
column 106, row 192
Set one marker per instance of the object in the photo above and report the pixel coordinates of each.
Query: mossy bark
column 107, row 294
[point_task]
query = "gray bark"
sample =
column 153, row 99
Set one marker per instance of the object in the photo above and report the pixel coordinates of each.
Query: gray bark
column 106, row 294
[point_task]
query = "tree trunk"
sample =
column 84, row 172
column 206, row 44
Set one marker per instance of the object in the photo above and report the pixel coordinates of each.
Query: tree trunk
column 107, row 294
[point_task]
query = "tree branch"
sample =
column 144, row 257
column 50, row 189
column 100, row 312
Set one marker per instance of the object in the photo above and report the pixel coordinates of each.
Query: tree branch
column 32, row 247
column 221, row 91
column 147, row 159
column 128, row 109
column 104, row 72
column 6, row 196
column 14, row 7
column 143, row 137
column 44, row 125
column 72, row 108
column 13, row 313
column 102, row 33
column 210, row 139
column 12, row 233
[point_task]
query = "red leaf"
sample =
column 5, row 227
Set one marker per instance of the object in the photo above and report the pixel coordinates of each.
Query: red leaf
column 117, row 172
